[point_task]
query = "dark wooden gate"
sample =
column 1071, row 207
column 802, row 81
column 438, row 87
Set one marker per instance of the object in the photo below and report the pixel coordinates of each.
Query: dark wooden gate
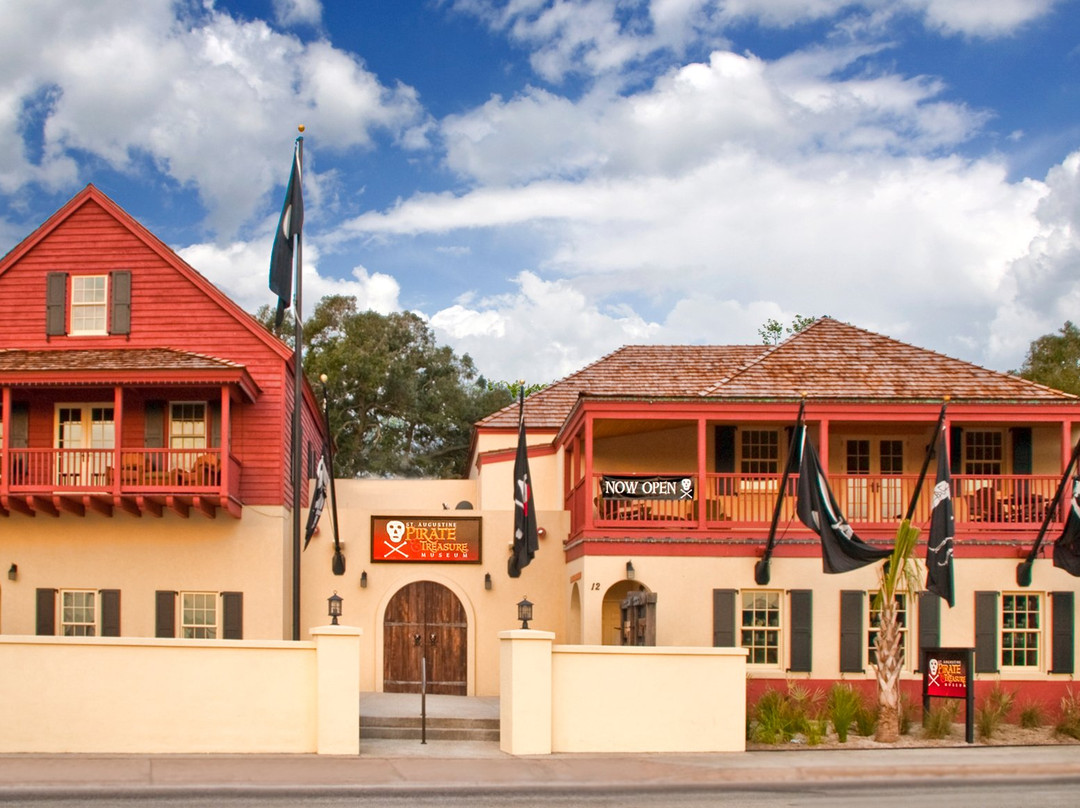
column 425, row 620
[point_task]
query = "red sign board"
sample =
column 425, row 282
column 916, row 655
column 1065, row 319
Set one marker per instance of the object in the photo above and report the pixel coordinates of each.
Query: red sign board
column 945, row 674
column 447, row 539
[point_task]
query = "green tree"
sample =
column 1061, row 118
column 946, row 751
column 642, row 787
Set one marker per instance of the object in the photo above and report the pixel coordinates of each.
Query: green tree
column 773, row 330
column 1054, row 360
column 400, row 405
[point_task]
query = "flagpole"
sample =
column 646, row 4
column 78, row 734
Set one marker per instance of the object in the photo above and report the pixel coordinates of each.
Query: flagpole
column 926, row 462
column 761, row 569
column 338, row 563
column 297, row 421
column 1023, row 569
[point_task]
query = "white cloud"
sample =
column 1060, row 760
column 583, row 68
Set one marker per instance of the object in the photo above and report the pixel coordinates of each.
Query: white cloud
column 298, row 12
column 241, row 269
column 210, row 101
column 503, row 333
column 598, row 37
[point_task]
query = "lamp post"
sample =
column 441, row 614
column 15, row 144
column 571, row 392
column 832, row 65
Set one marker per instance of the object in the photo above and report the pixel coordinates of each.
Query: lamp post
column 525, row 612
column 334, row 607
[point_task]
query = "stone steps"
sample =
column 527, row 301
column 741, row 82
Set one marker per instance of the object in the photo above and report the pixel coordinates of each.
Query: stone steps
column 438, row 729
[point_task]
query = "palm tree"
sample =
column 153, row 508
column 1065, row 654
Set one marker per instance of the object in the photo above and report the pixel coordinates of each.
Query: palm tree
column 899, row 574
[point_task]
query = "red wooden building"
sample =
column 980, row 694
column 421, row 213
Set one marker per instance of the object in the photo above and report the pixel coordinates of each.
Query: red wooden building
column 141, row 403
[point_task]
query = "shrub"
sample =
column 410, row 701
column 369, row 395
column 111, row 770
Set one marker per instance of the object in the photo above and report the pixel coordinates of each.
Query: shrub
column 994, row 710
column 843, row 705
column 816, row 730
column 1032, row 716
column 1069, row 723
column 907, row 714
column 777, row 718
column 938, row 721
column 866, row 720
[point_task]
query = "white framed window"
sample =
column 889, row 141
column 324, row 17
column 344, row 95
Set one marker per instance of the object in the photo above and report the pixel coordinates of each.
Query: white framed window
column 759, row 451
column 984, row 451
column 1021, row 630
column 875, row 626
column 78, row 613
column 760, row 626
column 89, row 305
column 187, row 425
column 199, row 615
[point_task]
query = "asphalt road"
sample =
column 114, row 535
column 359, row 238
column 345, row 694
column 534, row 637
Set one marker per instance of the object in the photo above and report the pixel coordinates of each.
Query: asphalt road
column 1049, row 793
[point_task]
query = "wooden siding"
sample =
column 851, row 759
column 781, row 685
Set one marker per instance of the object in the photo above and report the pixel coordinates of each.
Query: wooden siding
column 169, row 309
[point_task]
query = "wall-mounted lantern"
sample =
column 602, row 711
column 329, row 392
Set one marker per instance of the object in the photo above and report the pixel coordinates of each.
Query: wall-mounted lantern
column 630, row 573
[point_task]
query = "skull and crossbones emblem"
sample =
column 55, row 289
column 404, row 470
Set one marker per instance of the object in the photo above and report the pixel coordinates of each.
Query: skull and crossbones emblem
column 395, row 529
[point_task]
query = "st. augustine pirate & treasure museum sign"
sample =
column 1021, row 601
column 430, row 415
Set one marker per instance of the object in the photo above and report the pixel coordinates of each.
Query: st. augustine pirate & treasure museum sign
column 448, row 539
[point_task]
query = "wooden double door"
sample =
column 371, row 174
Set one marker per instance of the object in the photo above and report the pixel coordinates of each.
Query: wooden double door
column 425, row 621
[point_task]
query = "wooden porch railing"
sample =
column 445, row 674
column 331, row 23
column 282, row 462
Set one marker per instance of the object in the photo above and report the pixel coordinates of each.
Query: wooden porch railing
column 729, row 500
column 114, row 471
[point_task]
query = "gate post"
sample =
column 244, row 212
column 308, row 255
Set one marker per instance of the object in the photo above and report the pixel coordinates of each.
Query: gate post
column 525, row 692
column 337, row 676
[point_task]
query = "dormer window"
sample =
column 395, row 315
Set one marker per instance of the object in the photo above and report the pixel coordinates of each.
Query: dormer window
column 89, row 305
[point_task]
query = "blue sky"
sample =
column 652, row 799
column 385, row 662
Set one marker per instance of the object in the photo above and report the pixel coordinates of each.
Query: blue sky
column 547, row 180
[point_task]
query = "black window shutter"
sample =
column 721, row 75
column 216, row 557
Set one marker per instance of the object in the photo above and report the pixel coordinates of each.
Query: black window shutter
column 723, row 618
column 232, row 615
column 725, row 449
column 986, row 631
column 20, row 425
column 929, row 622
column 802, row 635
column 110, row 612
column 46, row 612
column 956, row 449
column 154, row 425
column 851, row 630
column 1021, row 449
column 164, row 614
column 1063, row 615
column 56, row 304
column 121, row 302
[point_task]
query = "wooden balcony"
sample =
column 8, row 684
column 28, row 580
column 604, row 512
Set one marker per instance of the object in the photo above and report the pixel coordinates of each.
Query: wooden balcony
column 873, row 504
column 138, row 481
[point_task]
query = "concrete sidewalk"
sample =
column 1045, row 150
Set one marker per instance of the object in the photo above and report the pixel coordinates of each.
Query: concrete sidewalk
column 400, row 767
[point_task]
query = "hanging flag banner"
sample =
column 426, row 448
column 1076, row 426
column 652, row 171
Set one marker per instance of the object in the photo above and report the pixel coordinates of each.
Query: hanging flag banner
column 426, row 539
column 657, row 486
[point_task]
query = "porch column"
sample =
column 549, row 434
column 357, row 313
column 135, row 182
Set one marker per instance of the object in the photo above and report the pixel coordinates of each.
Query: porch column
column 118, row 436
column 588, row 485
column 1066, row 440
column 226, row 438
column 5, row 463
column 823, row 443
column 702, row 469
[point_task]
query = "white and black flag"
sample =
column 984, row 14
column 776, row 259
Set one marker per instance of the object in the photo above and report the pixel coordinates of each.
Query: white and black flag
column 841, row 549
column 1067, row 546
column 939, row 547
column 526, row 539
column 290, row 224
column 318, row 500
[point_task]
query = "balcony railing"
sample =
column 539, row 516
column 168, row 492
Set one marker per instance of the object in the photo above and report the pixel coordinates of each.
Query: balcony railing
column 740, row 500
column 112, row 471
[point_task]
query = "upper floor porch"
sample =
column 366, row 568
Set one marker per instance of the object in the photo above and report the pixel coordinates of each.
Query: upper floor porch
column 139, row 449
column 717, row 475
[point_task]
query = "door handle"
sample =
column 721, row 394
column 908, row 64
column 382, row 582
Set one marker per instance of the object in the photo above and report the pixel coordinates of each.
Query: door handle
column 434, row 639
column 417, row 639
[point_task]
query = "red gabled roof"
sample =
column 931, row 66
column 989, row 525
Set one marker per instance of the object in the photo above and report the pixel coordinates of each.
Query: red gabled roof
column 92, row 194
column 827, row 360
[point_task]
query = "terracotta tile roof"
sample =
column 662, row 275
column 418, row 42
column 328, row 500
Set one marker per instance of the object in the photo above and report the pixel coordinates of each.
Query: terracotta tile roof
column 827, row 360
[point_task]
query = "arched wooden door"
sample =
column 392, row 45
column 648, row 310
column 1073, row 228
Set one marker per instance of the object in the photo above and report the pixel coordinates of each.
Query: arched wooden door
column 425, row 620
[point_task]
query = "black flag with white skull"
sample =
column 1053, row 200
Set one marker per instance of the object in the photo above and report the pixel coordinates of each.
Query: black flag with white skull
column 939, row 547
column 841, row 549
column 1067, row 546
column 526, row 540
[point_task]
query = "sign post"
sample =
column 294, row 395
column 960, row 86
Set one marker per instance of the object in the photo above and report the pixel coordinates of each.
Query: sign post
column 949, row 673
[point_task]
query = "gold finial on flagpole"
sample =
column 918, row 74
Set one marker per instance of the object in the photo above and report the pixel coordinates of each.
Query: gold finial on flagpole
column 300, row 129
